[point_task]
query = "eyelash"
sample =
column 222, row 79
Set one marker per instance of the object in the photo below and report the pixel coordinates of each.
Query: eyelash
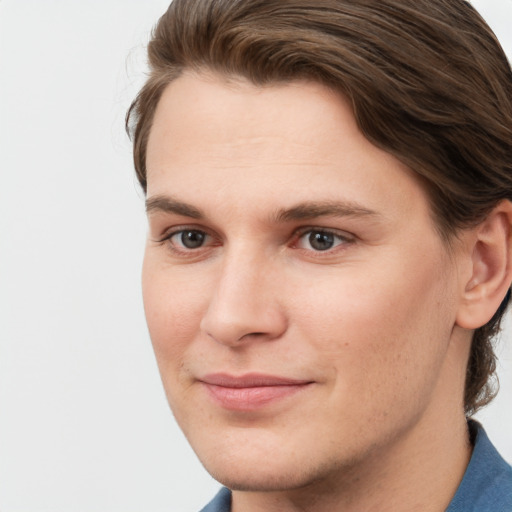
column 342, row 239
column 167, row 239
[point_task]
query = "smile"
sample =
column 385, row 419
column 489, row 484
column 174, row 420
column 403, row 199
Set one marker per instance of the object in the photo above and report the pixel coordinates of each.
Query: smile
column 252, row 391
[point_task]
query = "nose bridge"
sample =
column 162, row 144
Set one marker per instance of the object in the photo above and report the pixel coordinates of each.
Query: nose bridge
column 244, row 303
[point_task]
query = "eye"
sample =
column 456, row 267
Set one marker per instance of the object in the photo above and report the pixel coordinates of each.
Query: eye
column 188, row 239
column 320, row 240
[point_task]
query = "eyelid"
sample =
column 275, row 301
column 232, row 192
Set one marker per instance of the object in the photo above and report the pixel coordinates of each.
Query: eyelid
column 321, row 229
column 190, row 254
column 170, row 232
column 344, row 237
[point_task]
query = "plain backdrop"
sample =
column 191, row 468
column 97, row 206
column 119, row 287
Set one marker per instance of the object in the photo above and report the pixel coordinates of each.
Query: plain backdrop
column 84, row 425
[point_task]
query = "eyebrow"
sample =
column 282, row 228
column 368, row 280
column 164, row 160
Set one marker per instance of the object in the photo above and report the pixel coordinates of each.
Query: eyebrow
column 302, row 211
column 169, row 205
column 311, row 210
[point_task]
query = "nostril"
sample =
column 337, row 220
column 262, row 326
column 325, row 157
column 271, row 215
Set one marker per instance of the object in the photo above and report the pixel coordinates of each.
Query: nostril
column 253, row 334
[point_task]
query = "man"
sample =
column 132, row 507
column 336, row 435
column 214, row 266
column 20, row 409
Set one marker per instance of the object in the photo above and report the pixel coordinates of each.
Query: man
column 329, row 189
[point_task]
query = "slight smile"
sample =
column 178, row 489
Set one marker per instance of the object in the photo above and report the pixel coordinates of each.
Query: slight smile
column 251, row 391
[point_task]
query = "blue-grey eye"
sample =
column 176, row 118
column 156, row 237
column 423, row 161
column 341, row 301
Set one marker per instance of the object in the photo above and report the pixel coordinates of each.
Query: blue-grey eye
column 190, row 238
column 321, row 241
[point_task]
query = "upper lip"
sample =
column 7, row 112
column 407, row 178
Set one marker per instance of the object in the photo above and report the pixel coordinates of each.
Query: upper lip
column 250, row 380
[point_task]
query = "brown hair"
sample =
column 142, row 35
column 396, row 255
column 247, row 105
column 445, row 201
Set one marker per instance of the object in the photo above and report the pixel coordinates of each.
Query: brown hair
column 427, row 79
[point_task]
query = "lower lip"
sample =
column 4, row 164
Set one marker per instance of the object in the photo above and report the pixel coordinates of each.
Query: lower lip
column 251, row 398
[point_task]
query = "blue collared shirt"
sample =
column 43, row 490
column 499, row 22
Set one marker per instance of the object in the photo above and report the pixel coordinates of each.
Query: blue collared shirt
column 486, row 486
column 487, row 482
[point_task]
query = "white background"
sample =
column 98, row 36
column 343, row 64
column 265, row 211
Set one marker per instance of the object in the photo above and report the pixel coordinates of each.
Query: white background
column 84, row 425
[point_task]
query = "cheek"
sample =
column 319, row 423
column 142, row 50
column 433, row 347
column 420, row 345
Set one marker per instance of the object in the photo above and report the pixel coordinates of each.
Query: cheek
column 389, row 337
column 174, row 307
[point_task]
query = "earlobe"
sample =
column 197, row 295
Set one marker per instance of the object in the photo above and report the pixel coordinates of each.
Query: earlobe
column 491, row 264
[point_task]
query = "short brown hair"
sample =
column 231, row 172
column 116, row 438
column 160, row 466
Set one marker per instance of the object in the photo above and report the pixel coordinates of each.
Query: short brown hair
column 427, row 80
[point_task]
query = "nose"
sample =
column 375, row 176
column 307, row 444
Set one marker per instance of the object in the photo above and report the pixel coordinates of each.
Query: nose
column 244, row 304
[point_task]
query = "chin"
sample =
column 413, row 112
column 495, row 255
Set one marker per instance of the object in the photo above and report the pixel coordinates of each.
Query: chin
column 251, row 460
column 269, row 464
column 261, row 477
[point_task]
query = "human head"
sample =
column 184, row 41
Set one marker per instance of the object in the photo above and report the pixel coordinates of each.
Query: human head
column 427, row 82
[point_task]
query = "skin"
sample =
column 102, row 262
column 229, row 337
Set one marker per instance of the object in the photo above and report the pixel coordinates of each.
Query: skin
column 370, row 323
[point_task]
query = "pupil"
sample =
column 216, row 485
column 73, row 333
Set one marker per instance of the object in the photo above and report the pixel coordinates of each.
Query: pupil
column 321, row 241
column 192, row 239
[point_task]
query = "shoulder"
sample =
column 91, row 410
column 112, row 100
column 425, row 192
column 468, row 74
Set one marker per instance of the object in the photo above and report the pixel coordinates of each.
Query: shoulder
column 221, row 502
column 487, row 483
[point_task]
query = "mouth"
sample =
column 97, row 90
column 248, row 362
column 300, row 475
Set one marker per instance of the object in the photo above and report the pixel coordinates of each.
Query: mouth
column 251, row 391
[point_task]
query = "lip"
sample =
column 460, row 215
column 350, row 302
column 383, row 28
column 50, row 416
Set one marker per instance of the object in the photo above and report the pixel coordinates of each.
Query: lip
column 252, row 391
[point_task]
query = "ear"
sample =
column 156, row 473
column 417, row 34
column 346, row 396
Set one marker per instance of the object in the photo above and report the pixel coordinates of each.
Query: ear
column 491, row 268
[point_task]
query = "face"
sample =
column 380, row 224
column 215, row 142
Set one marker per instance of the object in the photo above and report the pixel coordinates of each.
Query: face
column 299, row 299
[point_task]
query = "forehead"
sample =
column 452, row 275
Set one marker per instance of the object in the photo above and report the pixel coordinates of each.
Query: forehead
column 222, row 142
column 239, row 115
